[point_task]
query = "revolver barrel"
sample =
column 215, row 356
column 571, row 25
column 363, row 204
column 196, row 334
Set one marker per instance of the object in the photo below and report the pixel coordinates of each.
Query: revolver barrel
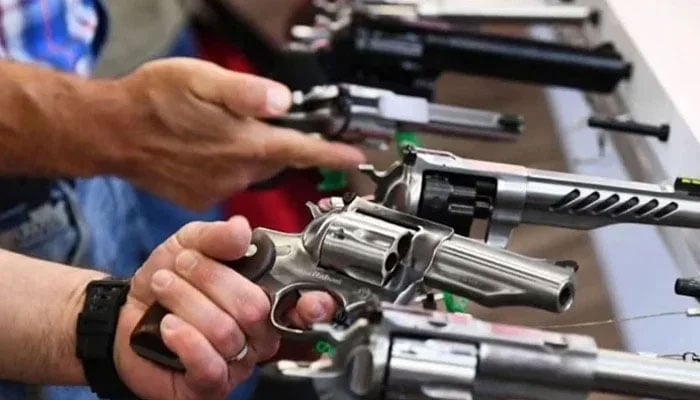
column 493, row 277
column 645, row 376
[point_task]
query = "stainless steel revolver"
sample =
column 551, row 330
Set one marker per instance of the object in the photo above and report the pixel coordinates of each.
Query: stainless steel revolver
column 360, row 250
column 372, row 116
column 396, row 352
column 455, row 191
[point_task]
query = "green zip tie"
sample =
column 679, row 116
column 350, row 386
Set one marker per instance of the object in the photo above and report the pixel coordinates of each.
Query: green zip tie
column 405, row 138
column 332, row 181
column 323, row 347
column 454, row 303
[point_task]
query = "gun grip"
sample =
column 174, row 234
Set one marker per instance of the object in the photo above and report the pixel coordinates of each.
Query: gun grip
column 146, row 340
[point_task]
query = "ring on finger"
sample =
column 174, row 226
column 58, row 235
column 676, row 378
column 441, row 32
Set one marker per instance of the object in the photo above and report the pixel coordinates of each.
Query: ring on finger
column 240, row 355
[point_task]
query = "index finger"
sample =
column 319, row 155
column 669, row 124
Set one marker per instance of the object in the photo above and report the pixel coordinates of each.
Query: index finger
column 312, row 307
column 299, row 150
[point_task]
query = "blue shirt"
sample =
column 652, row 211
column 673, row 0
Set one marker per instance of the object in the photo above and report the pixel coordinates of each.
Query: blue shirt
column 62, row 34
column 124, row 224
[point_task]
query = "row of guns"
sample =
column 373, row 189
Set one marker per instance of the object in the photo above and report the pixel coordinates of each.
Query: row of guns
column 415, row 236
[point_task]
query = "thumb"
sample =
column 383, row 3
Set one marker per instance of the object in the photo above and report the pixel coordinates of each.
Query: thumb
column 243, row 94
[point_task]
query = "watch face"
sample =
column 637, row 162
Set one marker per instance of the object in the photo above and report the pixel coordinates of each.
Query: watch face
column 105, row 295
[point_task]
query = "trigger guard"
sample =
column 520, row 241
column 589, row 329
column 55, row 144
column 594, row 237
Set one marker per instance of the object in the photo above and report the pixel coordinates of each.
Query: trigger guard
column 278, row 308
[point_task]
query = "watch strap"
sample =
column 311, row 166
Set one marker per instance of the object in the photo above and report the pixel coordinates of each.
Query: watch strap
column 97, row 325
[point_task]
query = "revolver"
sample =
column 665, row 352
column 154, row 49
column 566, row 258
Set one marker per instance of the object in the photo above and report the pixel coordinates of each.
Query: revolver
column 371, row 116
column 396, row 352
column 383, row 45
column 358, row 44
column 455, row 191
column 360, row 250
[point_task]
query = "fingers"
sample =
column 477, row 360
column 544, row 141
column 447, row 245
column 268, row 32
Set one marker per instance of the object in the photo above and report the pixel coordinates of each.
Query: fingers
column 242, row 94
column 244, row 301
column 295, row 149
column 314, row 307
column 226, row 241
column 191, row 305
column 206, row 369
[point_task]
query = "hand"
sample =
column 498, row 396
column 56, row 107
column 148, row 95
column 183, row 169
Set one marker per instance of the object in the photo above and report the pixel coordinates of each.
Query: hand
column 191, row 135
column 215, row 312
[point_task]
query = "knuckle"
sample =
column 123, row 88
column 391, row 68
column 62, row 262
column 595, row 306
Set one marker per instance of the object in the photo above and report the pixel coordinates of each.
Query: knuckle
column 269, row 350
column 254, row 93
column 188, row 235
column 255, row 311
column 226, row 336
column 204, row 274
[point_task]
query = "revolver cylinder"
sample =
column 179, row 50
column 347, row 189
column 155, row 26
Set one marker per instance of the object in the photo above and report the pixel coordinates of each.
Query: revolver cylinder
column 364, row 248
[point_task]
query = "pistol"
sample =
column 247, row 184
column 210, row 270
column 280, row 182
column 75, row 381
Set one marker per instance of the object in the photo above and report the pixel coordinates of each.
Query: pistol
column 393, row 352
column 360, row 250
column 455, row 191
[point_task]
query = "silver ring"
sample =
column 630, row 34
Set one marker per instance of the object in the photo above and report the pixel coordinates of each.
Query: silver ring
column 241, row 355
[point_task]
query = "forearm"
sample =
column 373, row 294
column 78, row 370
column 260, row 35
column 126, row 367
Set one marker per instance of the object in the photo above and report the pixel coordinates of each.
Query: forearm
column 57, row 125
column 39, row 306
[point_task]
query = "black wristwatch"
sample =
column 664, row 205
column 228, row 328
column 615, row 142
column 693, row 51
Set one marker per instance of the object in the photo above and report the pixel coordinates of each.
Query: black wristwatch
column 97, row 325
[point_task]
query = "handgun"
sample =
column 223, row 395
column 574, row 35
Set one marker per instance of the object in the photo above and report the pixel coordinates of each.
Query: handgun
column 363, row 47
column 394, row 352
column 359, row 250
column 355, row 45
column 456, row 191
column 372, row 116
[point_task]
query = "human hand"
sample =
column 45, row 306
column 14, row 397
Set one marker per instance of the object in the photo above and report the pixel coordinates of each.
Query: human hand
column 215, row 313
column 190, row 133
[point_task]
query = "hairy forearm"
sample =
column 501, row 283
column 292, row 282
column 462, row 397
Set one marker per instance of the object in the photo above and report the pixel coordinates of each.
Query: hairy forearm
column 39, row 306
column 57, row 125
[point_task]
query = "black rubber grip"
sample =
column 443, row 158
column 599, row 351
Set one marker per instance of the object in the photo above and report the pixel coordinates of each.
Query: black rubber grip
column 146, row 340
column 688, row 287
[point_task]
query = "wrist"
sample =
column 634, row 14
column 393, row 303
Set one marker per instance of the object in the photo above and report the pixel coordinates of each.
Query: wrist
column 96, row 337
column 68, row 339
column 65, row 122
column 106, row 129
